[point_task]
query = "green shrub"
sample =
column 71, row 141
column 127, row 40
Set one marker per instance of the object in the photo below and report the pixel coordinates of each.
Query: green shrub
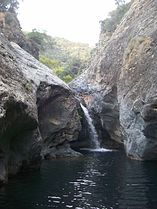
column 57, row 68
column 66, row 58
column 51, row 63
column 67, row 78
column 115, row 17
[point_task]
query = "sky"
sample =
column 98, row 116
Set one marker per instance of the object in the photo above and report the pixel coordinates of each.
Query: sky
column 75, row 20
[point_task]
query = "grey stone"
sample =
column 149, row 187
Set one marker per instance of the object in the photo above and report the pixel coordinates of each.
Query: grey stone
column 121, row 86
column 37, row 111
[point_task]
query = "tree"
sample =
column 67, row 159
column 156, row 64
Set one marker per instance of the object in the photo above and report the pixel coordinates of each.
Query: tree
column 115, row 17
column 66, row 58
column 9, row 5
column 13, row 6
column 36, row 36
column 119, row 2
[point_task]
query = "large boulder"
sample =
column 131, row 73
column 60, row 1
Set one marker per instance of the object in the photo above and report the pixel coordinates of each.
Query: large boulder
column 121, row 82
column 38, row 112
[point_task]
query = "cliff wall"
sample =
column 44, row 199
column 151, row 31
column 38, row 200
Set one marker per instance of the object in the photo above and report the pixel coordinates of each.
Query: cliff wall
column 121, row 82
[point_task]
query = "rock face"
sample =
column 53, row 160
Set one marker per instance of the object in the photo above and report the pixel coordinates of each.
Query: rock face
column 10, row 27
column 38, row 112
column 121, row 84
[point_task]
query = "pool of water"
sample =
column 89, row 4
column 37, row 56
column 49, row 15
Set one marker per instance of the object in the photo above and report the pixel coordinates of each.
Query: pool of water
column 101, row 180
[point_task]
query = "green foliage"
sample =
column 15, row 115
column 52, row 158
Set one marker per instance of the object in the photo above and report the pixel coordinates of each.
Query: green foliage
column 57, row 68
column 66, row 58
column 59, row 71
column 67, row 78
column 9, row 5
column 36, row 36
column 119, row 2
column 115, row 17
column 49, row 62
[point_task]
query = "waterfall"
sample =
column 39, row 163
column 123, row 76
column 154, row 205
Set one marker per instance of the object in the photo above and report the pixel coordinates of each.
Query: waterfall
column 92, row 130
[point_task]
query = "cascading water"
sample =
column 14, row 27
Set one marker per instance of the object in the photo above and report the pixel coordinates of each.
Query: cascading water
column 92, row 130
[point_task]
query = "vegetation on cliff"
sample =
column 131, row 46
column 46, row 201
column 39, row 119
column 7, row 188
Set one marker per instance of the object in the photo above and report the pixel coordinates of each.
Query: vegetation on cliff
column 9, row 5
column 11, row 29
column 114, row 18
column 66, row 58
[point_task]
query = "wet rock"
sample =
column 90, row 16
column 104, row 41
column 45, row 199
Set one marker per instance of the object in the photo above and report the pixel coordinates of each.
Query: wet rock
column 58, row 116
column 18, row 116
column 37, row 111
column 60, row 151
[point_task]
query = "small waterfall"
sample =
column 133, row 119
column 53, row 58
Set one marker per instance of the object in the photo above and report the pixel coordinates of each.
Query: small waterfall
column 92, row 130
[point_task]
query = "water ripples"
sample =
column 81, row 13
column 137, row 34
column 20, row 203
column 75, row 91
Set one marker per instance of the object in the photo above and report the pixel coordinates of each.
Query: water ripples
column 97, row 181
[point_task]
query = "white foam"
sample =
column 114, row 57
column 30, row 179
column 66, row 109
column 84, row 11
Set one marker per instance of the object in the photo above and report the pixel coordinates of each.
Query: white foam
column 97, row 150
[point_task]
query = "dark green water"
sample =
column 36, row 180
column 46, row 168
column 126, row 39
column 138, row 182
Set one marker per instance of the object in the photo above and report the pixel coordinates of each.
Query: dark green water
column 97, row 181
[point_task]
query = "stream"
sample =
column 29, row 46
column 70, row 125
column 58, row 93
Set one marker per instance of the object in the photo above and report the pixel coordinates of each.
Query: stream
column 99, row 180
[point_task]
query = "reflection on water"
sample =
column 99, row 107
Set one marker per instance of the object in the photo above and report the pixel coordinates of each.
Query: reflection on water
column 105, row 180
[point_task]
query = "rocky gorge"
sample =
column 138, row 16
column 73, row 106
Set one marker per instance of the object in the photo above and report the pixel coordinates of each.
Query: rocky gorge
column 40, row 115
column 120, row 85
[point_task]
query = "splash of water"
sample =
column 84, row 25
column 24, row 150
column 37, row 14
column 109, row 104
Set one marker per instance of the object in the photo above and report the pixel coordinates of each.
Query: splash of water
column 92, row 130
